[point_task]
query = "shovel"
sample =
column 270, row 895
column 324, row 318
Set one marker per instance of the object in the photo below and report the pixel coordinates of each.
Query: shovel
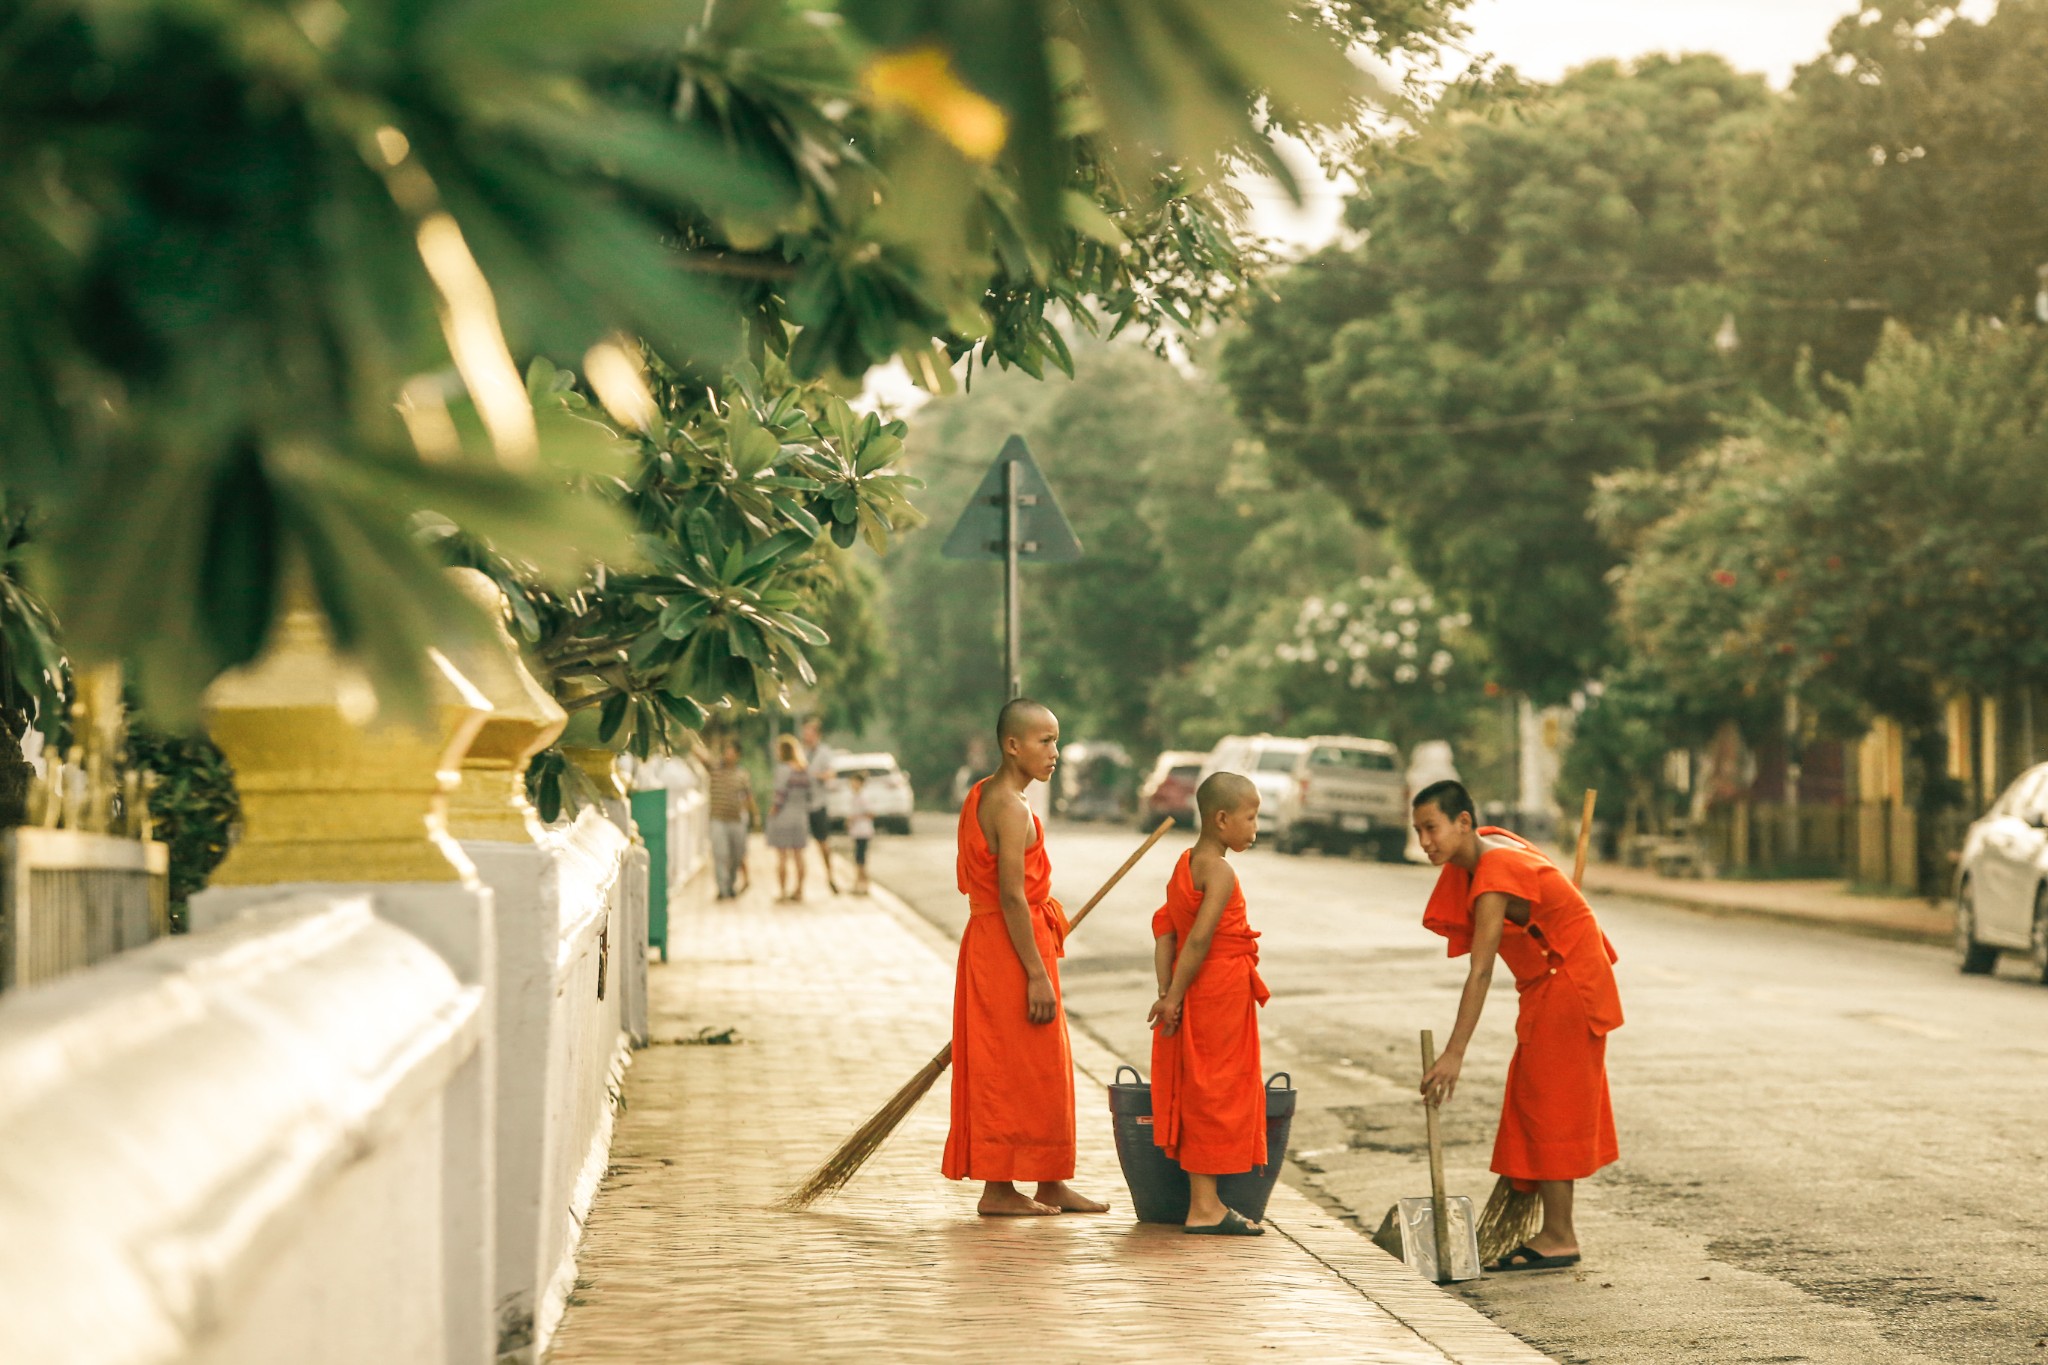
column 1437, row 1237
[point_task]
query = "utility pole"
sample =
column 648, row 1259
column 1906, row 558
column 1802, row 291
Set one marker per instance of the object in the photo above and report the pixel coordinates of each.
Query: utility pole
column 1013, row 604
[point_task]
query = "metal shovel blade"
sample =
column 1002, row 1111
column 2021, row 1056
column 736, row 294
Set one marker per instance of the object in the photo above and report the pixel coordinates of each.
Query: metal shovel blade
column 1409, row 1232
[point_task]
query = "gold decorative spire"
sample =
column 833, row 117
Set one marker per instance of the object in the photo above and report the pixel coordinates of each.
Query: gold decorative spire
column 490, row 800
column 329, row 792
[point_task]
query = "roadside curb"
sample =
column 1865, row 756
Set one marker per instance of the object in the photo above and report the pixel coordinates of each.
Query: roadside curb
column 1866, row 928
column 1447, row 1323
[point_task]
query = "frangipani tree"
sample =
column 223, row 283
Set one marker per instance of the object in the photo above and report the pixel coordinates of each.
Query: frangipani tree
column 274, row 277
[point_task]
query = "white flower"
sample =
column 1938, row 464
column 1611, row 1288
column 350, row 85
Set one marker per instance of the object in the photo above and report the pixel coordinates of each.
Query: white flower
column 1407, row 650
column 1311, row 608
column 1404, row 606
column 1340, row 609
column 1329, row 665
column 1411, row 628
column 1406, row 673
column 1439, row 663
column 1359, row 675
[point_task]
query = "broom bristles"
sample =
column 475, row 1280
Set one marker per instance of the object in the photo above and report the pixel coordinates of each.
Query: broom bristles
column 1511, row 1218
column 853, row 1153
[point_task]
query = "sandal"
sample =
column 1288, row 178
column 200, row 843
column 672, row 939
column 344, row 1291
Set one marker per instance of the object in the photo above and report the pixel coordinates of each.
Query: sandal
column 1526, row 1257
column 1234, row 1224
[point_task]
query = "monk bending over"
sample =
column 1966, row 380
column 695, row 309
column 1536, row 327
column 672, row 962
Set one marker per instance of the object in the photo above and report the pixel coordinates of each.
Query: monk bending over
column 1013, row 1071
column 1208, row 1098
column 1498, row 896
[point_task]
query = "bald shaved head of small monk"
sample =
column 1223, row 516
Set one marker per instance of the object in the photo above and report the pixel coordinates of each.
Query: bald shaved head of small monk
column 1221, row 792
column 1020, row 714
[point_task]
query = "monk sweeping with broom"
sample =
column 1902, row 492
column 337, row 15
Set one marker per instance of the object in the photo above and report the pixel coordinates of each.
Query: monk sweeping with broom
column 1499, row 897
column 1013, row 1071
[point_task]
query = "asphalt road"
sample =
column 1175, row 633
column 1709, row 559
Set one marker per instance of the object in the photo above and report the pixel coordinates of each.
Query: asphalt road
column 1832, row 1146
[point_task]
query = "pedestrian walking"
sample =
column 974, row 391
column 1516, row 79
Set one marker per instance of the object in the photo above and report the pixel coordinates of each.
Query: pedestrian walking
column 819, row 758
column 733, row 812
column 789, row 818
column 1498, row 896
column 860, row 827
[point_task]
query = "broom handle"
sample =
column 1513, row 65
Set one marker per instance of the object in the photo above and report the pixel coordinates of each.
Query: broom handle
column 945, row 1056
column 1439, row 1211
column 1075, row 921
column 1585, row 833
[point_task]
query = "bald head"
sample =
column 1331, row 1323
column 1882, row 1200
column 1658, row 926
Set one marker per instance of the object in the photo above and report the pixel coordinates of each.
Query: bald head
column 1018, row 716
column 1221, row 792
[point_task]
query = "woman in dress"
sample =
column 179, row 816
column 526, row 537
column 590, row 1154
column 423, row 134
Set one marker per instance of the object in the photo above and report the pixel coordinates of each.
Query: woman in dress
column 789, row 827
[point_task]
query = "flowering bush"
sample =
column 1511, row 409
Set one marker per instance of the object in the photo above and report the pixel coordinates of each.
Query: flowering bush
column 1372, row 653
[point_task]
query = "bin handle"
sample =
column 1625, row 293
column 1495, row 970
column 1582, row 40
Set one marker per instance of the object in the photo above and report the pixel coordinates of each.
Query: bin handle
column 1280, row 1076
column 1136, row 1079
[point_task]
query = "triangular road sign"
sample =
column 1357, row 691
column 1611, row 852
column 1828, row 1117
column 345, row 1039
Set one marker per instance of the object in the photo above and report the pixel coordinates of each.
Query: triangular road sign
column 1043, row 534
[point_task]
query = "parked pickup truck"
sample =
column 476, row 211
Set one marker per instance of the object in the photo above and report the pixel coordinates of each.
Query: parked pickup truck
column 1347, row 793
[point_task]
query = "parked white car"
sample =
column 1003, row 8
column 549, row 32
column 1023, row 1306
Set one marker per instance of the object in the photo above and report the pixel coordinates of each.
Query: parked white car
column 1268, row 761
column 886, row 790
column 2002, row 879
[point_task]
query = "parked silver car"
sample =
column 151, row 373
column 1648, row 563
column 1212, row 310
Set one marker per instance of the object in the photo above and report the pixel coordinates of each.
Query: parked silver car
column 2002, row 879
column 1348, row 793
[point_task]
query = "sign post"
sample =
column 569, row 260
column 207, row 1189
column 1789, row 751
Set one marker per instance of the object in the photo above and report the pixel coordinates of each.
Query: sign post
column 1013, row 517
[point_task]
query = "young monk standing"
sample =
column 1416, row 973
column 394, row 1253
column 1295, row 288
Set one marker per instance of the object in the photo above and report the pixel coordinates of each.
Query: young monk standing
column 1208, row 1098
column 1498, row 896
column 1013, row 1072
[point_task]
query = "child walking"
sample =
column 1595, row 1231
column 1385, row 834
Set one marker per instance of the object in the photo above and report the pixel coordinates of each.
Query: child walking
column 860, row 827
column 1208, row 1101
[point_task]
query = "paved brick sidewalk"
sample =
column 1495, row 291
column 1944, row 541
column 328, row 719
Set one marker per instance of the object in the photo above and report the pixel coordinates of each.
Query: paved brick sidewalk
column 837, row 1002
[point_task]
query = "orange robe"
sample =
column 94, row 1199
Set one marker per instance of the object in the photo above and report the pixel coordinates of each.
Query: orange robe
column 1556, row 1122
column 1208, row 1093
column 1013, row 1080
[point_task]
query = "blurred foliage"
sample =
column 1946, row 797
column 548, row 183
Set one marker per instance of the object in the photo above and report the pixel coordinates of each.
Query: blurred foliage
column 267, row 271
column 1732, row 352
column 34, row 677
column 744, row 504
column 1868, row 557
column 1533, row 303
column 193, row 804
column 1902, row 178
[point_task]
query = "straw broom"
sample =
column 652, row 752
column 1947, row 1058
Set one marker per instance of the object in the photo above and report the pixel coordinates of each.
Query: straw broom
column 853, row 1153
column 1513, row 1216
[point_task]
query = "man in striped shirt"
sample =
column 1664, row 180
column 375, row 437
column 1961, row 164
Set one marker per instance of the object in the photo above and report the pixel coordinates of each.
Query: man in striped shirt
column 732, row 815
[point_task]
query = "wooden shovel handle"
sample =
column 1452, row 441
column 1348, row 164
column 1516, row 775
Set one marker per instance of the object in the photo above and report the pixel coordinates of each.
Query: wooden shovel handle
column 1439, row 1209
column 1585, row 833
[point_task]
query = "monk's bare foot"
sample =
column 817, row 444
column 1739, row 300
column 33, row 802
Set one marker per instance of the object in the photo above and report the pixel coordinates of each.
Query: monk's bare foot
column 1007, row 1201
column 1066, row 1199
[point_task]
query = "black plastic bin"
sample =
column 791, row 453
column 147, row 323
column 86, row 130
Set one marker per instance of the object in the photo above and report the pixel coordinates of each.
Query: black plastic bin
column 1159, row 1187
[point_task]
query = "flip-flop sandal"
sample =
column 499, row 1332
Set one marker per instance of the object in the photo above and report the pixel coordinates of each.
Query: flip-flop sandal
column 1234, row 1224
column 1526, row 1257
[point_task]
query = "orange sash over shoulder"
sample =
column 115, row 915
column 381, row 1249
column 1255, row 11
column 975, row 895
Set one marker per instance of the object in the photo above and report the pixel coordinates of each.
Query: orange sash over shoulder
column 1013, row 1080
column 1208, row 1091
